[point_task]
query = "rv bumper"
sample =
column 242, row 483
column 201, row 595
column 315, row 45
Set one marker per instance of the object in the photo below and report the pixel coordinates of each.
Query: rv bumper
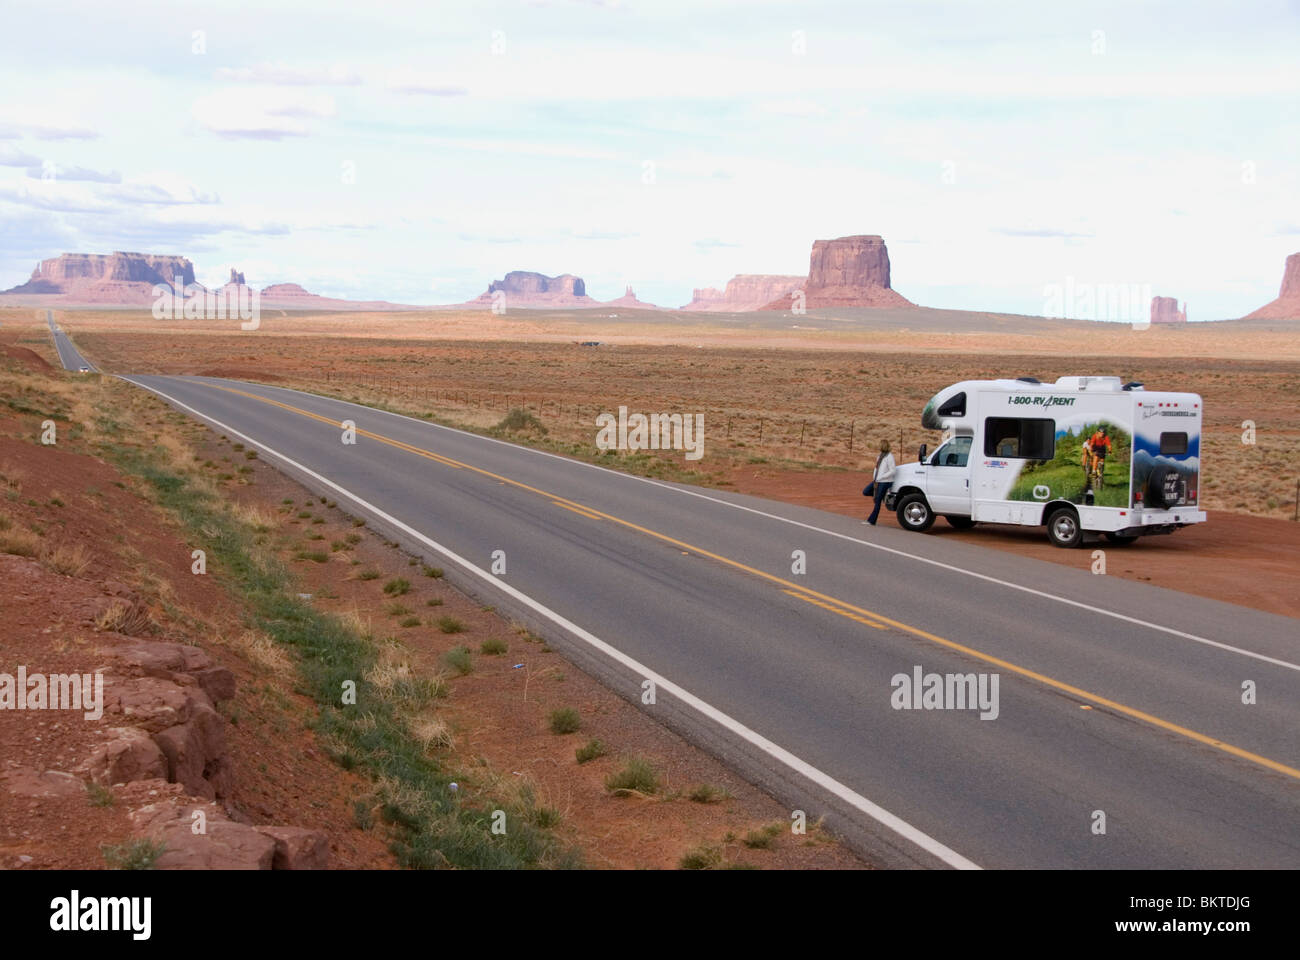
column 1153, row 522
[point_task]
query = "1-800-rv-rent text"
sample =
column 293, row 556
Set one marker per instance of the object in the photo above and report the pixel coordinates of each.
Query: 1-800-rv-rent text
column 1081, row 454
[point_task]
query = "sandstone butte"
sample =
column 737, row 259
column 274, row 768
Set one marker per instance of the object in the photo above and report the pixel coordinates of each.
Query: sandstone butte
column 629, row 299
column 745, row 291
column 523, row 288
column 1287, row 304
column 1165, row 310
column 130, row 279
column 846, row 272
column 114, row 278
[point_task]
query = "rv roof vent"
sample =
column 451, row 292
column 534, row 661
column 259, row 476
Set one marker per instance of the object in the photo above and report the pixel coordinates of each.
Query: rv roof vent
column 1028, row 380
column 1088, row 383
column 1134, row 385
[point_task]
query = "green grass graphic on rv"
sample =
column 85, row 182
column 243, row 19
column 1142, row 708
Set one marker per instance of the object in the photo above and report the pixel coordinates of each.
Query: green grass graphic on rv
column 1063, row 474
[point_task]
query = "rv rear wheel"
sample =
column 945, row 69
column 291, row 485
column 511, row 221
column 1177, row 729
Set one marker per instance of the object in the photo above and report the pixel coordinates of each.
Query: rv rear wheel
column 914, row 513
column 958, row 521
column 1063, row 528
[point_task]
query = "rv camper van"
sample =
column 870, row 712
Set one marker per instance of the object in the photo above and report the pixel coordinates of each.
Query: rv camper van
column 1081, row 455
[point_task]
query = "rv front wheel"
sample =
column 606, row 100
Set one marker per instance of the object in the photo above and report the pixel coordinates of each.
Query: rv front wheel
column 1063, row 528
column 914, row 513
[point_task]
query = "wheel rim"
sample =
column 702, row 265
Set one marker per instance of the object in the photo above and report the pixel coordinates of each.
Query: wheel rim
column 1064, row 527
column 915, row 513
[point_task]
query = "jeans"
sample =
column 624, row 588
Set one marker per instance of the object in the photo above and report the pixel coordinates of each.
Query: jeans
column 881, row 490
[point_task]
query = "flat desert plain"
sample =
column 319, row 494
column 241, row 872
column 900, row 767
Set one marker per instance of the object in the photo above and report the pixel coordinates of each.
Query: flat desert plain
column 794, row 405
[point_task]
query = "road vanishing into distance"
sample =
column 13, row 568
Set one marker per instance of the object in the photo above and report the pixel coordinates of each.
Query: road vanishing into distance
column 1119, row 704
column 69, row 355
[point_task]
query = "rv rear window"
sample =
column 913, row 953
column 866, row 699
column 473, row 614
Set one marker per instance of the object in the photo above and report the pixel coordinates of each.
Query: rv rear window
column 1019, row 439
column 1173, row 444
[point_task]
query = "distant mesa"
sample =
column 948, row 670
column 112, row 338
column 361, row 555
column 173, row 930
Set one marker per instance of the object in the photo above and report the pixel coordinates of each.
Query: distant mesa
column 847, row 272
column 630, row 300
column 112, row 278
column 745, row 291
column 523, row 288
column 1165, row 310
column 285, row 290
column 1287, row 304
column 130, row 280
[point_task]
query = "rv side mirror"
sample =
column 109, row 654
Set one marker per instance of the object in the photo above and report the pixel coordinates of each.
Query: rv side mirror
column 920, row 454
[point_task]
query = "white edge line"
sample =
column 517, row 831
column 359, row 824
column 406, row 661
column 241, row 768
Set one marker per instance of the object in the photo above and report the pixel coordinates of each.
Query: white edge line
column 805, row 769
column 830, row 533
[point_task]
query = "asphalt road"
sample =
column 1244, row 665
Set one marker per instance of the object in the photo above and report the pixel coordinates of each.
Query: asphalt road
column 69, row 355
column 1120, row 705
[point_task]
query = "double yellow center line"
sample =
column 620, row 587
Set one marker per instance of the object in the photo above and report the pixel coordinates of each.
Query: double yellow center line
column 824, row 601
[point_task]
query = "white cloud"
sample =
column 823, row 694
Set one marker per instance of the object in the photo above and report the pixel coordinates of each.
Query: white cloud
column 261, row 113
column 53, row 171
column 407, row 80
column 11, row 156
column 281, row 74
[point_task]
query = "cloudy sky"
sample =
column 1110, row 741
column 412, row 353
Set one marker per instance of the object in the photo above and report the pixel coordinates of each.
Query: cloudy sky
column 414, row 153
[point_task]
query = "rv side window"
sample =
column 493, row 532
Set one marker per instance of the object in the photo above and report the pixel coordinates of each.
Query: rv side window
column 954, row 407
column 1173, row 444
column 1019, row 439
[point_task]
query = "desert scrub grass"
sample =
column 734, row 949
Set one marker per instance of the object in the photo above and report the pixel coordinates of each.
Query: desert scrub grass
column 70, row 560
column 23, row 543
column 450, row 625
column 493, row 647
column 98, row 794
column 397, row 609
column 706, row 793
column 564, row 720
column 315, row 556
column 424, row 824
column 433, row 602
column 458, row 659
column 353, row 539
column 368, row 575
column 637, row 775
column 138, row 854
column 434, row 572
column 701, row 858
column 128, row 619
column 763, row 839
column 411, row 622
column 590, row 751
column 520, row 421
column 397, row 586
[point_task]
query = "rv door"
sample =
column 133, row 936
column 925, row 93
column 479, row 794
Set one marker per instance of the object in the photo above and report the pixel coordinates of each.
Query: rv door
column 947, row 484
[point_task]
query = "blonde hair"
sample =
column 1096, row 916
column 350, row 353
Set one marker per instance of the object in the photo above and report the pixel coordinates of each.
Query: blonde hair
column 884, row 446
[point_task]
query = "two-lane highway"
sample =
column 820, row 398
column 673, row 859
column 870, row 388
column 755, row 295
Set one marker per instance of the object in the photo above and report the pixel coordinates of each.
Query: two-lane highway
column 1122, row 734
column 69, row 355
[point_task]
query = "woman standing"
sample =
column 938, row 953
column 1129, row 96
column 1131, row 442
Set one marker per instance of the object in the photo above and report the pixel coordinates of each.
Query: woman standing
column 882, row 479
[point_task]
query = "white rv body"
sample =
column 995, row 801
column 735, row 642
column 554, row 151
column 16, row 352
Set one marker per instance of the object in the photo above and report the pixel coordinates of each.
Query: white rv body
column 1015, row 451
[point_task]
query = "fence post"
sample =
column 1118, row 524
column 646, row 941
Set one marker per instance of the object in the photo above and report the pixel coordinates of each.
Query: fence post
column 760, row 429
column 852, row 424
column 801, row 430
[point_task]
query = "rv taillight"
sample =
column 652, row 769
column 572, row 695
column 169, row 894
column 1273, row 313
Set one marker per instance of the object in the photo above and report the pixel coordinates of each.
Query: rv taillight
column 1137, row 497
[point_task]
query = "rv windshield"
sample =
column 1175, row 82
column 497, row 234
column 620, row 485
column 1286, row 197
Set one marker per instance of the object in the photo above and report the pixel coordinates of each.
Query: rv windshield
column 954, row 453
